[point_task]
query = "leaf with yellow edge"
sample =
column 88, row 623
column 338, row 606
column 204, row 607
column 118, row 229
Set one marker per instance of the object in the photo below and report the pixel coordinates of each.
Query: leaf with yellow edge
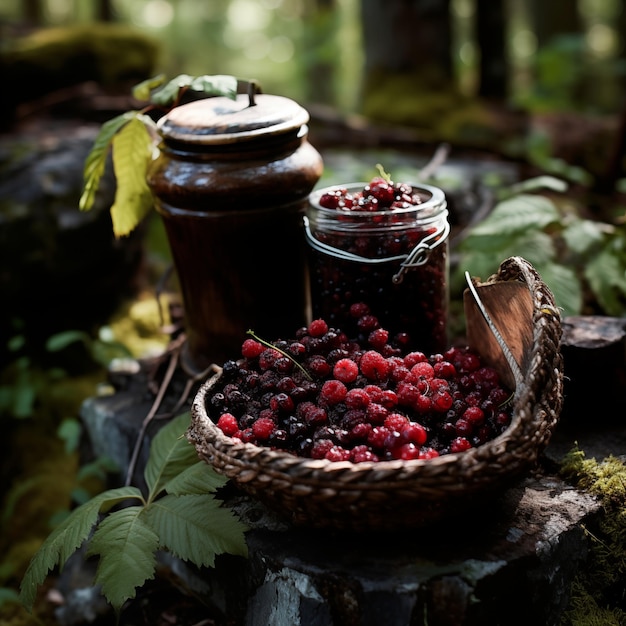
column 132, row 151
column 96, row 159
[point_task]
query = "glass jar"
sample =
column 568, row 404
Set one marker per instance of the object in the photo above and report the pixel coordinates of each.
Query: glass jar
column 393, row 261
column 231, row 183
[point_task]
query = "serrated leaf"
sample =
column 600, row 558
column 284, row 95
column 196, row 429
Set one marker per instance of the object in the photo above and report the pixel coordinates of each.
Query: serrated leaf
column 95, row 162
column 67, row 537
column 218, row 85
column 517, row 215
column 126, row 545
column 196, row 528
column 564, row 285
column 132, row 152
column 200, row 478
column 606, row 274
column 170, row 454
column 144, row 89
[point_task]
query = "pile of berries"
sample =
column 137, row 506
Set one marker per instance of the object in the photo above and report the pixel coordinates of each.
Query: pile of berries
column 324, row 396
column 380, row 194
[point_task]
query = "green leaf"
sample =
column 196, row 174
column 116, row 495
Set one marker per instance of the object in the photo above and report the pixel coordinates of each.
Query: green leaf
column 606, row 273
column 126, row 546
column 218, row 85
column 581, row 236
column 170, row 454
column 196, row 528
column 565, row 286
column 69, row 431
column 95, row 162
column 200, row 478
column 536, row 184
column 67, row 537
column 517, row 215
column 132, row 151
column 144, row 89
column 60, row 341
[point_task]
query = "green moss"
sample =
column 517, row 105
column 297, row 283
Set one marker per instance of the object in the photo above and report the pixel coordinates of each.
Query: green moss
column 597, row 595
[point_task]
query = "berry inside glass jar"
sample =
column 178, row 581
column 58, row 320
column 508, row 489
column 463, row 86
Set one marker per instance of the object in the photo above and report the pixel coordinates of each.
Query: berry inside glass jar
column 322, row 395
column 383, row 244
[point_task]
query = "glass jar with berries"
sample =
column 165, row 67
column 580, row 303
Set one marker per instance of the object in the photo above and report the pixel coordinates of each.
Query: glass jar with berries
column 378, row 251
column 231, row 182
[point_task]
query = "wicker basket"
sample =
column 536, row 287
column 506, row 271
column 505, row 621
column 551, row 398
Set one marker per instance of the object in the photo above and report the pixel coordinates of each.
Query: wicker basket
column 401, row 494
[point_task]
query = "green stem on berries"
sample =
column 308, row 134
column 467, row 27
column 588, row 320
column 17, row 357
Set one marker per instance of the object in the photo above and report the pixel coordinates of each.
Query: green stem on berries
column 269, row 345
column 384, row 174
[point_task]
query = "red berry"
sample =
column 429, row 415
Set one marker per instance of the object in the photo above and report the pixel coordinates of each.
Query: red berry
column 413, row 358
column 474, row 414
column 415, row 433
column 407, row 452
column 444, row 369
column 262, row 428
column 251, row 348
column 337, row 453
column 333, row 392
column 423, row 370
column 357, row 399
column 359, row 309
column 378, row 338
column 396, row 421
column 227, row 423
column 318, row 328
column 460, row 444
column 346, row 370
column 374, row 366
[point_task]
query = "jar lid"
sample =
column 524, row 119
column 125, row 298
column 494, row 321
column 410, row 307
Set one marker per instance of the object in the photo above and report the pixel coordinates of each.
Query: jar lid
column 220, row 120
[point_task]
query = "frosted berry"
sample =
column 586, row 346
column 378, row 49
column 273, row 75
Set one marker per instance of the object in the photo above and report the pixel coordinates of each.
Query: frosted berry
column 346, row 370
column 374, row 366
column 228, row 424
column 333, row 392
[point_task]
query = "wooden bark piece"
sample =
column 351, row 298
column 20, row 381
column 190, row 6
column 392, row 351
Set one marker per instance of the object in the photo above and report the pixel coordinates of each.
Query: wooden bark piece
column 510, row 307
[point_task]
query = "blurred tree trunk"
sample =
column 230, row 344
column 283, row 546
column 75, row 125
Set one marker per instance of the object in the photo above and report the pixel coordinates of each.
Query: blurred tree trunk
column 105, row 11
column 551, row 18
column 408, row 76
column 32, row 12
column 407, row 35
column 491, row 27
column 319, row 52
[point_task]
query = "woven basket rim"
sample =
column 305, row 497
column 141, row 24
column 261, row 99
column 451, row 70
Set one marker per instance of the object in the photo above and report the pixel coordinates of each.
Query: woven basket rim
column 526, row 415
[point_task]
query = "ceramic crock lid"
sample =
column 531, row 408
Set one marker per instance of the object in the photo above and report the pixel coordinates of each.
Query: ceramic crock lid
column 220, row 120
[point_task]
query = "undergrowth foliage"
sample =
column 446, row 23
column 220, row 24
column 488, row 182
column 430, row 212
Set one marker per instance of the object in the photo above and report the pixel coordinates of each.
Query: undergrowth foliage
column 180, row 514
column 579, row 258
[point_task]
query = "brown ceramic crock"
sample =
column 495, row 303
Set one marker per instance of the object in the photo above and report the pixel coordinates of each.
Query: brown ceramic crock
column 231, row 182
